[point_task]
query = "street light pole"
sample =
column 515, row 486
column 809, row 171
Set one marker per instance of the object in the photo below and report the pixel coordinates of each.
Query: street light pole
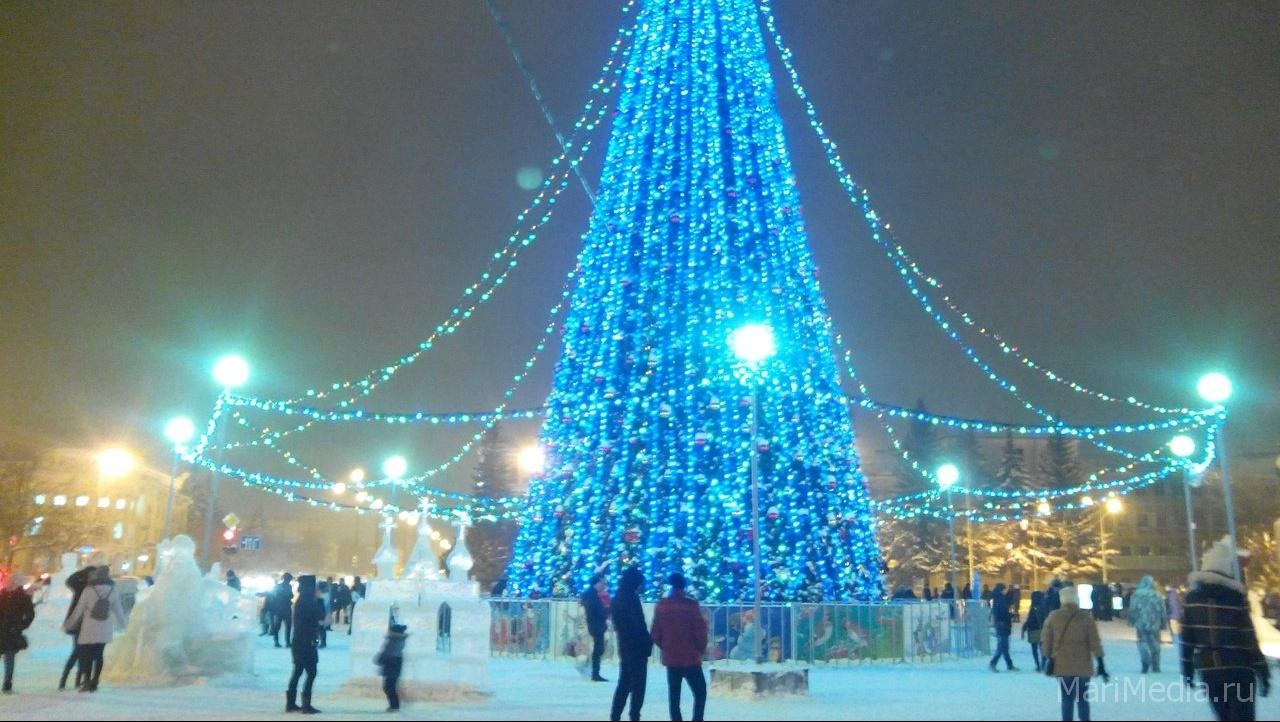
column 951, row 529
column 753, row 344
column 1183, row 446
column 755, row 524
column 1226, row 499
column 1216, row 389
column 179, row 431
column 168, row 504
column 230, row 372
column 1191, row 523
column 1102, row 539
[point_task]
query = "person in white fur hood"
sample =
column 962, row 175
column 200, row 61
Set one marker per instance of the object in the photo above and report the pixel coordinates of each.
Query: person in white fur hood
column 1218, row 638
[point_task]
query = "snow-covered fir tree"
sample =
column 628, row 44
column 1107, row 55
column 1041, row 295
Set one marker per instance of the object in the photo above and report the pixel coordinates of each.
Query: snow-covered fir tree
column 495, row 477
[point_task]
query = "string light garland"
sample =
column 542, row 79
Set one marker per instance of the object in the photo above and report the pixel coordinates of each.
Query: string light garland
column 907, row 268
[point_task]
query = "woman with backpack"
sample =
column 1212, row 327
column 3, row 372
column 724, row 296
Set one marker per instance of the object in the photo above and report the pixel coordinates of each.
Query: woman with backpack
column 96, row 614
column 76, row 583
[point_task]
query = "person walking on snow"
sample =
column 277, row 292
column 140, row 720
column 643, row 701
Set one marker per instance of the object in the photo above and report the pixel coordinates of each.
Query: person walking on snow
column 390, row 661
column 1002, row 621
column 1218, row 638
column 1071, row 643
column 634, row 645
column 597, row 614
column 308, row 614
column 1032, row 625
column 680, row 631
column 1147, row 617
column 96, row 615
column 16, row 614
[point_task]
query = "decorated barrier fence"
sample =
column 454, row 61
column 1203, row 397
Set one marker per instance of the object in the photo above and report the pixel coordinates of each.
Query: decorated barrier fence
column 835, row 633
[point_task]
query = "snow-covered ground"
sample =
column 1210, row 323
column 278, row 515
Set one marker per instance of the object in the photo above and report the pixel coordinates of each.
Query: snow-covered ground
column 550, row 690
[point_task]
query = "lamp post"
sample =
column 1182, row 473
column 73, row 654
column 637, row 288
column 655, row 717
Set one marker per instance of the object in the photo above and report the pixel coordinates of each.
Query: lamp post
column 230, row 372
column 948, row 475
column 753, row 344
column 1216, row 389
column 1111, row 506
column 1182, row 447
column 179, row 431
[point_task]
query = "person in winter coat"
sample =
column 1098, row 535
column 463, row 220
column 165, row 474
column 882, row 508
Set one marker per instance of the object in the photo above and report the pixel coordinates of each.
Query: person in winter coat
column 325, row 594
column 1002, row 622
column 634, row 645
column 76, row 582
column 282, row 609
column 16, row 614
column 597, row 615
column 1147, row 617
column 96, row 616
column 1218, row 638
column 1032, row 625
column 1052, row 598
column 680, row 631
column 341, row 600
column 308, row 615
column 1071, row 643
column 1173, row 600
column 390, row 661
column 233, row 581
column 1015, row 602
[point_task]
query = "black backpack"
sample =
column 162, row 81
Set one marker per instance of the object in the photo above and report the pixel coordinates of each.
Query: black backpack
column 102, row 607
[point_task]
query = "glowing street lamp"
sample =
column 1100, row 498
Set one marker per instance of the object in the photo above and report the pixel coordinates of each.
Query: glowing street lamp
column 1216, row 389
column 356, row 476
column 231, row 372
column 532, row 460
column 753, row 344
column 395, row 467
column 114, row 463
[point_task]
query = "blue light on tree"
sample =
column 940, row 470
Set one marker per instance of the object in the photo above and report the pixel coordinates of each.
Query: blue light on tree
column 696, row 232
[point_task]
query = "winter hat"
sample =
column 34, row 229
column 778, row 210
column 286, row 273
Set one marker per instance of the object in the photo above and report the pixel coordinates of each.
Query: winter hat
column 630, row 581
column 1068, row 595
column 306, row 582
column 1218, row 558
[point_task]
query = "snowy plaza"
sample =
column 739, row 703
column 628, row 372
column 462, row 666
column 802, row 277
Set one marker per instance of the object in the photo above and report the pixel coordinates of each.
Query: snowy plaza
column 536, row 690
column 496, row 356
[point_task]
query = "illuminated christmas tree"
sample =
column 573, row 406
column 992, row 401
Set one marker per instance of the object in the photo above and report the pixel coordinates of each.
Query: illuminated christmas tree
column 696, row 232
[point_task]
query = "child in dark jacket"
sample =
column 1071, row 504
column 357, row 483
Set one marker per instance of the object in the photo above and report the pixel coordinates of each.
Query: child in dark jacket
column 1032, row 625
column 391, row 660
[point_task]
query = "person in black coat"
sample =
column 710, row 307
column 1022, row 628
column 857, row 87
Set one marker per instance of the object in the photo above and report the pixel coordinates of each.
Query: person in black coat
column 308, row 615
column 76, row 583
column 16, row 614
column 1002, row 622
column 1032, row 625
column 282, row 609
column 233, row 581
column 1218, row 638
column 634, row 645
column 597, row 617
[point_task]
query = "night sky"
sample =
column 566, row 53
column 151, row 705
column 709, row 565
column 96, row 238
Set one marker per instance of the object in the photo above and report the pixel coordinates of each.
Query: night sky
column 312, row 185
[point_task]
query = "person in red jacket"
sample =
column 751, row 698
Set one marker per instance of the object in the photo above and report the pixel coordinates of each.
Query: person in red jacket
column 680, row 631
